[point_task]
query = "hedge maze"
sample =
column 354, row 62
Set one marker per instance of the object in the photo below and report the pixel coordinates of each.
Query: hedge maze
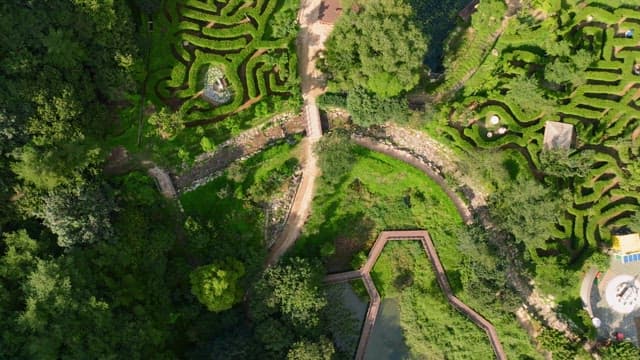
column 250, row 42
column 604, row 108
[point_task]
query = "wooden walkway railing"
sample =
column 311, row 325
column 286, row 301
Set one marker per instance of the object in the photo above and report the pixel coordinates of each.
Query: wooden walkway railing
column 441, row 277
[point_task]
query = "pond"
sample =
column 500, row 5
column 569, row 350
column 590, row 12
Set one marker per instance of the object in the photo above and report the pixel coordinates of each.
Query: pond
column 346, row 316
column 386, row 341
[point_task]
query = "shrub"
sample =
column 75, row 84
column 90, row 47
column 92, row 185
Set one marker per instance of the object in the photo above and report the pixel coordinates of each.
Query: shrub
column 335, row 156
column 367, row 109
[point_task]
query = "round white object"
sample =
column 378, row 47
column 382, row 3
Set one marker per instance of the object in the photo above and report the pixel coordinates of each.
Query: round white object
column 596, row 322
column 623, row 293
column 489, row 134
column 495, row 119
column 502, row 130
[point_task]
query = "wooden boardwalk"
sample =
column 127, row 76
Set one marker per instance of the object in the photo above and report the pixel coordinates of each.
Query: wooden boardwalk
column 441, row 277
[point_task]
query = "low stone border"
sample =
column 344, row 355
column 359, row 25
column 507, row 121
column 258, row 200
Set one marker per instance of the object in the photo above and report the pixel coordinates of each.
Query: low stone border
column 273, row 229
column 372, row 312
column 209, row 166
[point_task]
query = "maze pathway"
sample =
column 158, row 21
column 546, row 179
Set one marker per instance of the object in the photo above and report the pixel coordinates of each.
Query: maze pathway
column 605, row 111
column 234, row 36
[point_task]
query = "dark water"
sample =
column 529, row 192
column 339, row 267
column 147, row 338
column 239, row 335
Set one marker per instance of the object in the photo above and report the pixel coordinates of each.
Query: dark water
column 386, row 341
column 346, row 317
column 436, row 19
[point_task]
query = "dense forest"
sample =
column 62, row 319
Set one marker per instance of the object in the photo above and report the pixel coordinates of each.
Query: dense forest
column 98, row 265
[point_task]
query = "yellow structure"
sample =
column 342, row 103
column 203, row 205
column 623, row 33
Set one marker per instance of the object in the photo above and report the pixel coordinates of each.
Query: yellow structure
column 627, row 247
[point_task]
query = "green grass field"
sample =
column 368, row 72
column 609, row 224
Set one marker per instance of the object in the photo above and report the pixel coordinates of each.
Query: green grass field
column 380, row 193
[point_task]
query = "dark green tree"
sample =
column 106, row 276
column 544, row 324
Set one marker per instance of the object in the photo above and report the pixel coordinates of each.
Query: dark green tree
column 367, row 109
column 565, row 164
column 311, row 350
column 336, row 156
column 527, row 210
column 167, row 124
column 293, row 289
column 216, row 286
column 556, row 343
column 20, row 257
column 390, row 61
column 78, row 214
column 620, row 350
column 526, row 94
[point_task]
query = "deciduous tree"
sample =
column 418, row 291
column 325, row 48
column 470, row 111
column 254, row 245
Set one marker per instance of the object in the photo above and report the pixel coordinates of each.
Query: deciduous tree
column 216, row 285
column 295, row 290
column 311, row 350
column 335, row 156
column 527, row 210
column 390, row 59
column 367, row 109
column 78, row 214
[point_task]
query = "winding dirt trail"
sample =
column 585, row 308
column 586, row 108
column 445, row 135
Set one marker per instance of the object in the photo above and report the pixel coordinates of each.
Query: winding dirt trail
column 310, row 41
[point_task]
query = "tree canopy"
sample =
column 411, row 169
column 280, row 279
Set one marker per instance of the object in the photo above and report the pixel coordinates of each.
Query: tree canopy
column 527, row 210
column 390, row 59
column 216, row 286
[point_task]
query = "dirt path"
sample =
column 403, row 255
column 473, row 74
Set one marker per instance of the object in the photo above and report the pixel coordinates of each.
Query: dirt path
column 163, row 180
column 300, row 209
column 441, row 277
column 310, row 40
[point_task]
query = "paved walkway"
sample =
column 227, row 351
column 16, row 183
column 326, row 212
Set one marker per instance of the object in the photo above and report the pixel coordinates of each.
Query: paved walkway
column 441, row 276
column 163, row 180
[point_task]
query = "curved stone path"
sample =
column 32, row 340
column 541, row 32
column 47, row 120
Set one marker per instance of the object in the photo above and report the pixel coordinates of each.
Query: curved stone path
column 441, row 277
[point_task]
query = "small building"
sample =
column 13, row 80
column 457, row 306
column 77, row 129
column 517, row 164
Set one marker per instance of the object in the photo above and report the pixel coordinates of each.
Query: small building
column 558, row 135
column 329, row 11
column 626, row 248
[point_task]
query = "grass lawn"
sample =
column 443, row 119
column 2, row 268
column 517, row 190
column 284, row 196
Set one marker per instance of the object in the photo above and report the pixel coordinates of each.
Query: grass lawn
column 380, row 193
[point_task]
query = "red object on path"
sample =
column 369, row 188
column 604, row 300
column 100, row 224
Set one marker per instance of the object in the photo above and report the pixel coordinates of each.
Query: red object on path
column 619, row 336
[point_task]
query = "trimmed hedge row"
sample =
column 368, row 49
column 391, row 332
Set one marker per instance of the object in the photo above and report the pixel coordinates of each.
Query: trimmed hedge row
column 600, row 111
column 226, row 35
